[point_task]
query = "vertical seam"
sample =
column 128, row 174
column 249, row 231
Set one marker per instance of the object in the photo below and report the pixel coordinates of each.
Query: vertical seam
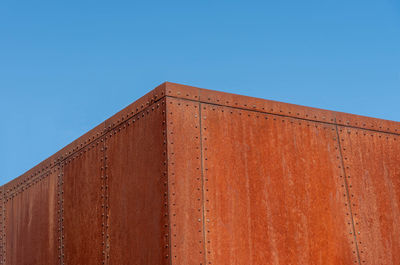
column 3, row 227
column 202, row 182
column 347, row 192
column 61, row 210
column 106, row 246
column 166, row 174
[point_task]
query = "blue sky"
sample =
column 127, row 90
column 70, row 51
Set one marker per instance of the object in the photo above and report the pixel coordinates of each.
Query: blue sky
column 66, row 67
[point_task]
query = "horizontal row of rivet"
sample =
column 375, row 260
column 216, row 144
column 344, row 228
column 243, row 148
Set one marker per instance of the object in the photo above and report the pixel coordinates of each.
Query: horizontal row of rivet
column 25, row 179
column 307, row 113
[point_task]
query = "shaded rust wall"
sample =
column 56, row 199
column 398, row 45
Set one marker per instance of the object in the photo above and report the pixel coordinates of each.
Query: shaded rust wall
column 137, row 189
column 31, row 223
column 82, row 206
column 193, row 176
column 100, row 200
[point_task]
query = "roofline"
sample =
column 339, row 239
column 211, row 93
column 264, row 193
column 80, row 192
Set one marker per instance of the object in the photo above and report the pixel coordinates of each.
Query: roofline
column 168, row 89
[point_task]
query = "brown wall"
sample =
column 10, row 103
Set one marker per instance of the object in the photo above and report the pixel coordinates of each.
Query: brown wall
column 101, row 200
column 273, row 190
column 137, row 189
column 372, row 161
column 31, row 223
column 192, row 176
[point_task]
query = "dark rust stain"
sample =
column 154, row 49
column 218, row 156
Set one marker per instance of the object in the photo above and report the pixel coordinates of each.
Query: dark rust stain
column 138, row 199
column 31, row 221
column 82, row 203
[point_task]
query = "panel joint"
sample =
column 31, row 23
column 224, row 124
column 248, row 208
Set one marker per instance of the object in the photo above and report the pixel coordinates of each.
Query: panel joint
column 347, row 195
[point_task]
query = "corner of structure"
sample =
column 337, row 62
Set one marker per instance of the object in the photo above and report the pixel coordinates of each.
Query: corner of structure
column 185, row 183
column 182, row 91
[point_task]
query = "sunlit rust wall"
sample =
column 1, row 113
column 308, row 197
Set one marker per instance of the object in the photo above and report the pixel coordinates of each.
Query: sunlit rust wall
column 193, row 176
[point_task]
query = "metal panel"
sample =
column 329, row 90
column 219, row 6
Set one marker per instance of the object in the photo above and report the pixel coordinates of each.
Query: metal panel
column 138, row 197
column 82, row 206
column 31, row 221
column 185, row 182
column 274, row 191
column 372, row 163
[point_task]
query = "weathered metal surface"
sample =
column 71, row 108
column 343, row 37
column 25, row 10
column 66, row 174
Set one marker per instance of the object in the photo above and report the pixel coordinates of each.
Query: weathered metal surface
column 138, row 189
column 83, row 206
column 31, row 222
column 273, row 190
column 372, row 164
column 239, row 180
column 185, row 182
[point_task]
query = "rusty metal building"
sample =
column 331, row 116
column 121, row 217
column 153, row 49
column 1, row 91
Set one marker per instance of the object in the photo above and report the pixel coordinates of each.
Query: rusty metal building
column 191, row 176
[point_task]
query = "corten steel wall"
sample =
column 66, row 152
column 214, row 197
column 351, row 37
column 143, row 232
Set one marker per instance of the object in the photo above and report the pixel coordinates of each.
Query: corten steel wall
column 192, row 176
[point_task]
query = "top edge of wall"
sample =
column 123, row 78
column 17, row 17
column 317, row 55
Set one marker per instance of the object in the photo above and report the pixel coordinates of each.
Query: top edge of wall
column 282, row 109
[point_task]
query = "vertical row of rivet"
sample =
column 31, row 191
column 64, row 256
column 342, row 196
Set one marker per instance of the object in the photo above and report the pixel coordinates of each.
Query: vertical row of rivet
column 200, row 182
column 204, row 177
column 168, row 132
column 345, row 134
column 60, row 212
column 186, row 180
column 203, row 189
column 105, row 200
column 164, row 179
column 346, row 189
column 2, row 226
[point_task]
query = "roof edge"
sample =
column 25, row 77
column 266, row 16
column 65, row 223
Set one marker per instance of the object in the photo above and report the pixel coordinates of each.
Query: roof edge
column 282, row 109
column 204, row 96
column 86, row 139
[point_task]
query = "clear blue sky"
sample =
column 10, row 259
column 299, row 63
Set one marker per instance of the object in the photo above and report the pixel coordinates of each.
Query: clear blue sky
column 66, row 67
